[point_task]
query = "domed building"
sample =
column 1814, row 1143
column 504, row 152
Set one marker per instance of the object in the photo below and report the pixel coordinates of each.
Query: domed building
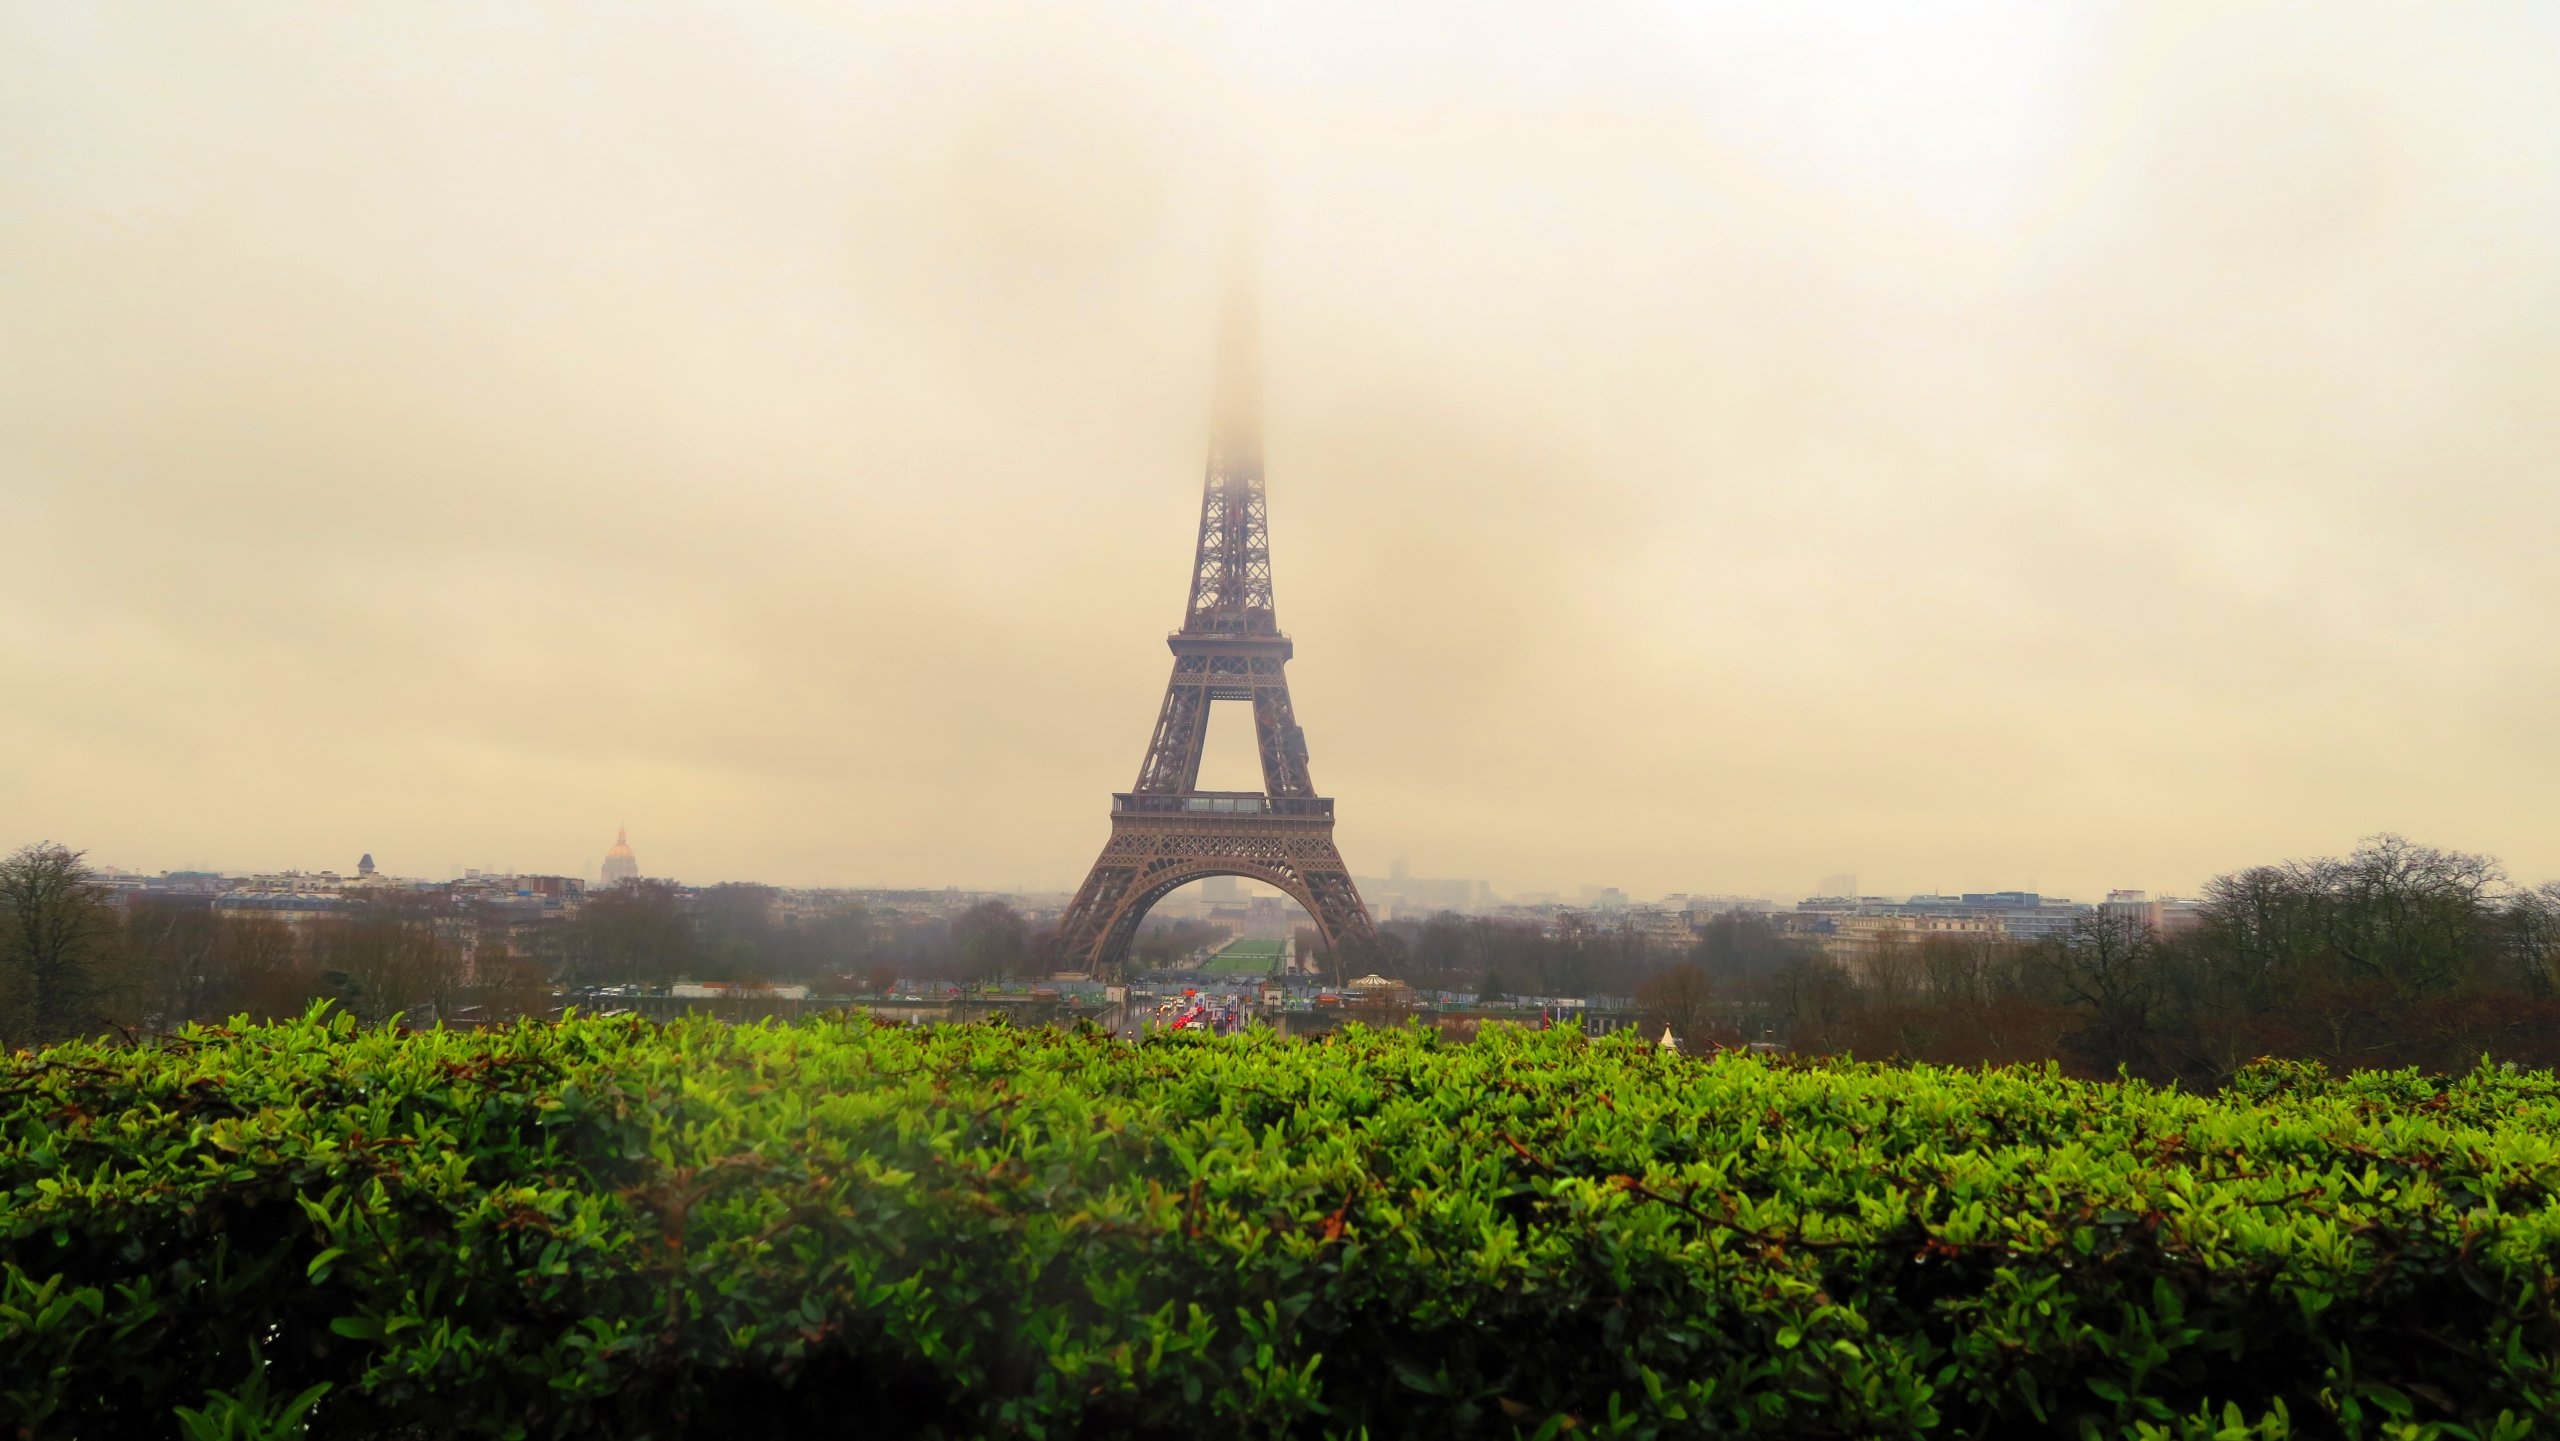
column 619, row 863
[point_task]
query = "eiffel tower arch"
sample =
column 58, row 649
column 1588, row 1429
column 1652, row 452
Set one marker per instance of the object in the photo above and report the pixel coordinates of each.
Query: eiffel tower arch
column 1165, row 831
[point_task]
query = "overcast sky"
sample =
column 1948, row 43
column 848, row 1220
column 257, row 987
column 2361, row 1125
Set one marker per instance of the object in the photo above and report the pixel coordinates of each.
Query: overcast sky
column 1711, row 446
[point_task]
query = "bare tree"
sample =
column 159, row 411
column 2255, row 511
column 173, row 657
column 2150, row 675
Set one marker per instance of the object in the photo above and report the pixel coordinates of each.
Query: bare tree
column 506, row 982
column 1810, row 998
column 259, row 971
column 2110, row 969
column 639, row 931
column 993, row 942
column 387, row 964
column 55, row 933
column 171, row 948
column 1681, row 997
column 2410, row 916
column 2533, row 939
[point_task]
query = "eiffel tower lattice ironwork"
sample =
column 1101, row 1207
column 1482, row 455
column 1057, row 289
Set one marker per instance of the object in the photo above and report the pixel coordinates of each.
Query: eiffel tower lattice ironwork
column 1165, row 831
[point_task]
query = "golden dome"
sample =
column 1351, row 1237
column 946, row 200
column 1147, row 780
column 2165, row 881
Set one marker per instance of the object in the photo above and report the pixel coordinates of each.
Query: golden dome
column 619, row 864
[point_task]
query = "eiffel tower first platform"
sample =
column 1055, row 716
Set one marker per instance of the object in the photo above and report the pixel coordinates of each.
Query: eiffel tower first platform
column 1167, row 833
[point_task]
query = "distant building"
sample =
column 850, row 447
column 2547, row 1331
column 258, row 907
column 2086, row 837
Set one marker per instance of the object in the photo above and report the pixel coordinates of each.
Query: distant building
column 1402, row 895
column 296, row 909
column 1851, row 928
column 1183, row 905
column 364, row 864
column 2167, row 915
column 2042, row 925
column 620, row 864
column 488, row 886
column 1273, row 917
column 1662, row 928
column 1707, row 907
column 1864, row 931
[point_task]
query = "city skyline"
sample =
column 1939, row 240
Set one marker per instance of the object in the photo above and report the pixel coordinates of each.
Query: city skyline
column 1398, row 869
column 2063, row 449
column 1398, row 881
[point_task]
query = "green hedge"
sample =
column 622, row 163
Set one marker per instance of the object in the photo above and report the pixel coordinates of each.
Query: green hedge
column 613, row 1229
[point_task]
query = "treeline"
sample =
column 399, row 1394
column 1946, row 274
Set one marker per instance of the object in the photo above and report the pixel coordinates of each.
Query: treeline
column 76, row 960
column 2397, row 955
column 649, row 933
column 1498, row 959
column 1163, row 942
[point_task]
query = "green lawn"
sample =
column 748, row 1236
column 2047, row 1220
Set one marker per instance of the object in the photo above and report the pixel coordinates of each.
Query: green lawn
column 1246, row 958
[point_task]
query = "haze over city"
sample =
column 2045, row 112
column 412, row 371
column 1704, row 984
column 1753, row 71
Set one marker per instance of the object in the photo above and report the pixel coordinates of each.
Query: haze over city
column 1710, row 448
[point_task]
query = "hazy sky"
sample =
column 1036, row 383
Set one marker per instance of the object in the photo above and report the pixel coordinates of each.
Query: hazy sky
column 1711, row 446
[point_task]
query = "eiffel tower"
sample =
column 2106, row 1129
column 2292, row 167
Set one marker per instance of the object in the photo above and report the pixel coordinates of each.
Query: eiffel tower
column 1165, row 831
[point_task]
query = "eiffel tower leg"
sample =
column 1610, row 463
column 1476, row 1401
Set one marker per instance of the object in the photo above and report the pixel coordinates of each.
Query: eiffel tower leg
column 1173, row 752
column 1088, row 916
column 1282, row 743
